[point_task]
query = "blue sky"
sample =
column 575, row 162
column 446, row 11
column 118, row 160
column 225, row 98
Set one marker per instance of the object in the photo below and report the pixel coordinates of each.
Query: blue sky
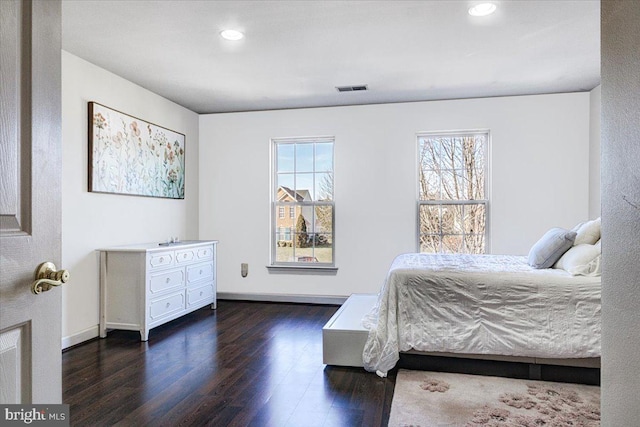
column 297, row 170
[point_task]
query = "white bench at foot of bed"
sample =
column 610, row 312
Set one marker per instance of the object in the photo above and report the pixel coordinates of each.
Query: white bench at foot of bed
column 343, row 339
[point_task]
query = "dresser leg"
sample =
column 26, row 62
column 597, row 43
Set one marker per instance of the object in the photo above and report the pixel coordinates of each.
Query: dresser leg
column 144, row 335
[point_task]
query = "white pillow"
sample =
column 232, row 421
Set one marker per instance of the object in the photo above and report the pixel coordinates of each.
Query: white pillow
column 591, row 269
column 588, row 233
column 581, row 260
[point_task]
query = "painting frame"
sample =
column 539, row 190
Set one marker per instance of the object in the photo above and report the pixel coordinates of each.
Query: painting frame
column 134, row 157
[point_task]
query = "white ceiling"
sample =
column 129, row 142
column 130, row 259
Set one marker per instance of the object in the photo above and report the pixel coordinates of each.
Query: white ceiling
column 296, row 52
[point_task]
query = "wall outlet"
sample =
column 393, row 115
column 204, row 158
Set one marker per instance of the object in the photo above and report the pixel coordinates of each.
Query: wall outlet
column 244, row 269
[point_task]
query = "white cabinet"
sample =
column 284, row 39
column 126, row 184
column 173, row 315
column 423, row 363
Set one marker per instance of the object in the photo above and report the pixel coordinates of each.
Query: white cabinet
column 144, row 286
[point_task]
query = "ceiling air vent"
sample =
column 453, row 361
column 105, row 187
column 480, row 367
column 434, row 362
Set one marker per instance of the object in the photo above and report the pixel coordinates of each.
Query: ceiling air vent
column 351, row 88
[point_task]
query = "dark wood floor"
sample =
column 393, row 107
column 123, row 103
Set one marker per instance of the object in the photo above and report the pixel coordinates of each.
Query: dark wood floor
column 244, row 364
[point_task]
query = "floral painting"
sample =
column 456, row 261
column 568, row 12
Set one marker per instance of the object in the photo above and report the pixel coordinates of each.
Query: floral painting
column 131, row 156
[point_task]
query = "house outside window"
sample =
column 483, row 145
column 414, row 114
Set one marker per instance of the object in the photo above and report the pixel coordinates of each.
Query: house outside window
column 302, row 177
column 453, row 197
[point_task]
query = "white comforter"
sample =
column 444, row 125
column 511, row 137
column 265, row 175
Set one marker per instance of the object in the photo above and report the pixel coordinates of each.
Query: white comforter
column 481, row 304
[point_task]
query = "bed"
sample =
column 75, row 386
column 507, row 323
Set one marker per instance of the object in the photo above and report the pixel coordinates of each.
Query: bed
column 481, row 305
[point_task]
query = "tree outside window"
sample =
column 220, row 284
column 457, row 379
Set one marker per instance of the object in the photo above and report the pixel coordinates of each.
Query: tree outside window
column 453, row 202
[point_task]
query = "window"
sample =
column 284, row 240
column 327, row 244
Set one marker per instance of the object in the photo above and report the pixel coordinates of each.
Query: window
column 452, row 200
column 303, row 182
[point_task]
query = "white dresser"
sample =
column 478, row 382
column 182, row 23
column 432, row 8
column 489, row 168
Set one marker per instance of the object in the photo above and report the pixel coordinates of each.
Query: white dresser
column 143, row 286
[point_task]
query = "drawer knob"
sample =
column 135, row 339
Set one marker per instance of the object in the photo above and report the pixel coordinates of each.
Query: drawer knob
column 201, row 293
column 184, row 256
column 200, row 271
column 168, row 279
column 161, row 259
column 168, row 304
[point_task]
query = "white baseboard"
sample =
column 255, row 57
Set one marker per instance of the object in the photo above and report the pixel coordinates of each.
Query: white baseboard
column 80, row 337
column 304, row 299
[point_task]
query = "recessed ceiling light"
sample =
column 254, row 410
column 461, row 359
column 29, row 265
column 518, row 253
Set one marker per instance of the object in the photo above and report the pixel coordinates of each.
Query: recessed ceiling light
column 232, row 35
column 482, row 9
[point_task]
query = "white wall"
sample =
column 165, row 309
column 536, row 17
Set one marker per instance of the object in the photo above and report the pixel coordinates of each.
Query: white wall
column 594, row 151
column 93, row 220
column 620, row 213
column 539, row 179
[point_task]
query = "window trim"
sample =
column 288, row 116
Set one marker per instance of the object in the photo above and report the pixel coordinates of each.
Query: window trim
column 487, row 182
column 273, row 265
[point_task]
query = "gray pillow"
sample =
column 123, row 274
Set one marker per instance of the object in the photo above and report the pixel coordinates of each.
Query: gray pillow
column 551, row 247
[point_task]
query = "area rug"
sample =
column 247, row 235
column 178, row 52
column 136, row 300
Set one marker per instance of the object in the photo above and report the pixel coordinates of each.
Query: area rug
column 436, row 399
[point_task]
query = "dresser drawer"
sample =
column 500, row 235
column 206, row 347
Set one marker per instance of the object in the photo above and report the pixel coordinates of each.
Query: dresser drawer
column 186, row 255
column 166, row 306
column 160, row 282
column 161, row 259
column 195, row 296
column 205, row 253
column 198, row 272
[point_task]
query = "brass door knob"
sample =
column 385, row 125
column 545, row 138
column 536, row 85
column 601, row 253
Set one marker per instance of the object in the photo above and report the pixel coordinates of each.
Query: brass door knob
column 47, row 276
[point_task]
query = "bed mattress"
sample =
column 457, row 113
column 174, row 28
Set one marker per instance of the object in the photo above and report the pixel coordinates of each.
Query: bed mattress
column 481, row 304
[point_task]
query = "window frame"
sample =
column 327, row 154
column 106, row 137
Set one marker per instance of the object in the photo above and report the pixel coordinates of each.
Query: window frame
column 301, row 265
column 487, row 186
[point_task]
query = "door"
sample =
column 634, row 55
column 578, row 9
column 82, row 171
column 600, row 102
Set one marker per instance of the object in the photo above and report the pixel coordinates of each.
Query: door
column 30, row 205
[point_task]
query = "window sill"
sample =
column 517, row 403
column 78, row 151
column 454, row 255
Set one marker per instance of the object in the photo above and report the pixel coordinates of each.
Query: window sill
column 300, row 269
